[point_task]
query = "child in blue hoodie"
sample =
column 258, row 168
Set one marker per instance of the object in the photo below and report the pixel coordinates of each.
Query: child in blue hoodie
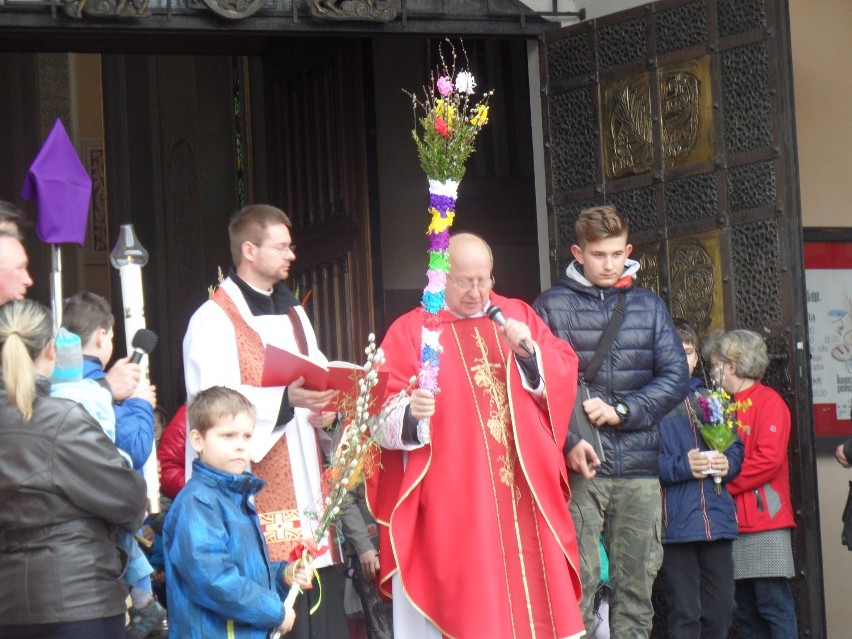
column 221, row 581
column 699, row 524
column 89, row 315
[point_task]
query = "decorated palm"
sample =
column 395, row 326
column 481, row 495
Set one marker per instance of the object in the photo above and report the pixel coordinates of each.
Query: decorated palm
column 447, row 120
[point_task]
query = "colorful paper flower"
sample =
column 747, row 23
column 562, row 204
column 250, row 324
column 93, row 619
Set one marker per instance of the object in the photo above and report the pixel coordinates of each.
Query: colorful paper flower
column 465, row 82
column 440, row 222
column 444, row 109
column 442, row 128
column 444, row 147
column 480, row 115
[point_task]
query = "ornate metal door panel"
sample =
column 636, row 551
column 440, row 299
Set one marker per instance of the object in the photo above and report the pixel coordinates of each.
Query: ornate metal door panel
column 318, row 174
column 680, row 113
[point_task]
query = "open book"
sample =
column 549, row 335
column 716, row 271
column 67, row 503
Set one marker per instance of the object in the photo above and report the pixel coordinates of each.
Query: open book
column 282, row 368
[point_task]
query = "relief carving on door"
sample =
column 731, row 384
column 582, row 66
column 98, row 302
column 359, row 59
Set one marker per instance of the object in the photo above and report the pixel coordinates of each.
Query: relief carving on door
column 685, row 114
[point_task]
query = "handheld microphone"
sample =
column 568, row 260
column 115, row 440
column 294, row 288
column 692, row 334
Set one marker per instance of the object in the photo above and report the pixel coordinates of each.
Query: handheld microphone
column 496, row 315
column 143, row 343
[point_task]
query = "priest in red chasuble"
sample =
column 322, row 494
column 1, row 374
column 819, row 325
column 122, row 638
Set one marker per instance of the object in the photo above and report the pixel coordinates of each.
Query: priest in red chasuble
column 472, row 492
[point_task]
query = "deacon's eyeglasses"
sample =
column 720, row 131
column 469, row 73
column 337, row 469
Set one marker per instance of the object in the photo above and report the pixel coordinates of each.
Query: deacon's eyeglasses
column 281, row 249
column 468, row 285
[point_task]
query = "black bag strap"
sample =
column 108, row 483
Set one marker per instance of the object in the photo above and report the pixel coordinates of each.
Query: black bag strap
column 607, row 338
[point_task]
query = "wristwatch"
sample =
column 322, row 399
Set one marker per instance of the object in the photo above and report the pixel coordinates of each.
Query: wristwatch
column 622, row 410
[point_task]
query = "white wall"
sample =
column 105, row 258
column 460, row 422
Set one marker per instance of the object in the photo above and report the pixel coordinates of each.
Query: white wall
column 594, row 8
column 822, row 74
column 598, row 8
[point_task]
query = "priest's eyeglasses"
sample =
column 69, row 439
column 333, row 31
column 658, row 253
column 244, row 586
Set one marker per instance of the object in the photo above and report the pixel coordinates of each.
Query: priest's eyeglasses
column 469, row 285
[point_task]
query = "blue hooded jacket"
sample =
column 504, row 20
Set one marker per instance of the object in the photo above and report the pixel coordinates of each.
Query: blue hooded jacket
column 220, row 579
column 134, row 419
column 692, row 511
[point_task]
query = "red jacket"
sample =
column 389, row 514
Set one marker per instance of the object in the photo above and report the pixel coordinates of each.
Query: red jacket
column 172, row 455
column 762, row 489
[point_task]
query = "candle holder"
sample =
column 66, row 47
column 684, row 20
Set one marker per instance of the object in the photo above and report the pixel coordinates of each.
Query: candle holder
column 129, row 256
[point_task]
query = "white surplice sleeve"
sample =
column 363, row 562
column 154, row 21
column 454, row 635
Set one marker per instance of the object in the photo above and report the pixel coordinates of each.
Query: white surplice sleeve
column 390, row 435
column 211, row 359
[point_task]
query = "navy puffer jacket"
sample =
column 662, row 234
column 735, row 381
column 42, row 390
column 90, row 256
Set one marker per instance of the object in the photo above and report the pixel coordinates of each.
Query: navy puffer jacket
column 646, row 367
column 692, row 511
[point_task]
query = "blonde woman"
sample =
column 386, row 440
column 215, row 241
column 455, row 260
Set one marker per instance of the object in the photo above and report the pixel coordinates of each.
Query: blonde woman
column 64, row 492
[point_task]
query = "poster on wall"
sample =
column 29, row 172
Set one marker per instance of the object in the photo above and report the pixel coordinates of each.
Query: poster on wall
column 828, row 280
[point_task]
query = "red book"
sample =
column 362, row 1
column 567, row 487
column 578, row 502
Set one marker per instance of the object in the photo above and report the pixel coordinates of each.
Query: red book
column 282, row 368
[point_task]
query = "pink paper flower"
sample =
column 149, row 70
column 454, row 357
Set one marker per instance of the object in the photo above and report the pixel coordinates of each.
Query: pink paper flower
column 445, row 86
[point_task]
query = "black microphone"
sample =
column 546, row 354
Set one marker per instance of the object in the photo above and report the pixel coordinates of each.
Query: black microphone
column 496, row 315
column 143, row 343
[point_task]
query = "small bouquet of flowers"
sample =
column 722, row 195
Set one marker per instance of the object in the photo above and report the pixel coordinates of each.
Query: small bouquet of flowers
column 447, row 121
column 720, row 422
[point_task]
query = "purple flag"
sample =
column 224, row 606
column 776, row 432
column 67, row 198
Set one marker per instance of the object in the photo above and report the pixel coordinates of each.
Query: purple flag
column 59, row 184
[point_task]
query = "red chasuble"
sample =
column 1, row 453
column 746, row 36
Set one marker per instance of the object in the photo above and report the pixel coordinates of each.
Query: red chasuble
column 477, row 523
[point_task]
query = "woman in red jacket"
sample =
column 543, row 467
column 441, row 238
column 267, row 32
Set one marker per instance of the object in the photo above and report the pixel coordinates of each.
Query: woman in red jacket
column 172, row 455
column 763, row 554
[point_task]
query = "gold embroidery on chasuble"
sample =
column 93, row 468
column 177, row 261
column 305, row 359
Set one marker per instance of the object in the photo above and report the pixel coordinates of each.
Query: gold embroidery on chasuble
column 485, row 362
column 281, row 526
column 491, row 378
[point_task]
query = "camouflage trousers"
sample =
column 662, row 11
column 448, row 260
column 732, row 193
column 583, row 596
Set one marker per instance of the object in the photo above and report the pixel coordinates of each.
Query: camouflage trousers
column 628, row 512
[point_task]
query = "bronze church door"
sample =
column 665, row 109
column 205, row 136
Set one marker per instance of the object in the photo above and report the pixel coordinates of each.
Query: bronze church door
column 680, row 113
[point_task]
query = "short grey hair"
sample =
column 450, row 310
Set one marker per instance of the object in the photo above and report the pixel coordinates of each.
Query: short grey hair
column 746, row 349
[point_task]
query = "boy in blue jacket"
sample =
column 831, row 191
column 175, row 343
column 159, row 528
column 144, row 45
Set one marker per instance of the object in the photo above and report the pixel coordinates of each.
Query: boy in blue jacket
column 221, row 581
column 698, row 524
column 89, row 315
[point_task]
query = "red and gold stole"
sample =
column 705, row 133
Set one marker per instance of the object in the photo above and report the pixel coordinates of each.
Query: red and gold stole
column 276, row 504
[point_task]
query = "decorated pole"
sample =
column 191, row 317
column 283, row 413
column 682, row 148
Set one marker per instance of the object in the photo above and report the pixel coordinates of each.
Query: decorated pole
column 129, row 256
column 446, row 125
column 56, row 283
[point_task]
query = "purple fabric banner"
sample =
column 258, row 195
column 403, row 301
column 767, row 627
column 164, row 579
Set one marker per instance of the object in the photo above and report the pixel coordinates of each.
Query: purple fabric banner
column 59, row 184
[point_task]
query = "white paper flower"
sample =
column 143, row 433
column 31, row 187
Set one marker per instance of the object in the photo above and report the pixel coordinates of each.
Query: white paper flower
column 465, row 82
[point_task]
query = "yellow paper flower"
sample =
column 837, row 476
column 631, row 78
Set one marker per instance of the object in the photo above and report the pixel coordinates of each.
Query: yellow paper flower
column 480, row 115
column 440, row 224
column 445, row 110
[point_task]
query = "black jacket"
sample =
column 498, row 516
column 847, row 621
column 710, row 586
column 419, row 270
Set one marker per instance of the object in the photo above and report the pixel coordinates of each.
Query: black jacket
column 646, row 367
column 63, row 491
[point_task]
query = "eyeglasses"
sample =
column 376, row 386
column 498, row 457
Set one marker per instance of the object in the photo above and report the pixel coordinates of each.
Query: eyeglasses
column 718, row 367
column 468, row 285
column 280, row 249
